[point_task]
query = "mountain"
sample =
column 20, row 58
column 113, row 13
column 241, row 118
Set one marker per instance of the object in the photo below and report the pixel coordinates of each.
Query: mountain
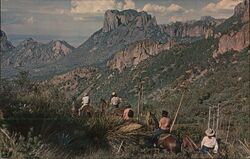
column 236, row 35
column 163, row 65
column 137, row 52
column 4, row 43
column 30, row 53
column 120, row 29
column 178, row 32
column 199, row 28
column 126, row 39
column 125, row 33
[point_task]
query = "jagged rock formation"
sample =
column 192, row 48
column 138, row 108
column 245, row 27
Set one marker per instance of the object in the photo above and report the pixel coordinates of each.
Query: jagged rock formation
column 236, row 41
column 30, row 52
column 123, row 28
column 137, row 52
column 242, row 10
column 4, row 43
column 238, row 37
column 113, row 19
column 198, row 28
column 120, row 29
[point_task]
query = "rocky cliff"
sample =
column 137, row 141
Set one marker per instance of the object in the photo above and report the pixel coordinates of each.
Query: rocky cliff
column 236, row 41
column 120, row 29
column 242, row 11
column 30, row 52
column 236, row 38
column 5, row 45
column 136, row 53
column 113, row 19
column 200, row 28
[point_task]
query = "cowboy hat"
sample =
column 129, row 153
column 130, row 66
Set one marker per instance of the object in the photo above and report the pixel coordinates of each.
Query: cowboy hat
column 210, row 132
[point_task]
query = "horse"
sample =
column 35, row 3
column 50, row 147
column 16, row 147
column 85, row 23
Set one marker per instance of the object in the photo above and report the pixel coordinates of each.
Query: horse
column 103, row 105
column 86, row 110
column 151, row 121
column 172, row 144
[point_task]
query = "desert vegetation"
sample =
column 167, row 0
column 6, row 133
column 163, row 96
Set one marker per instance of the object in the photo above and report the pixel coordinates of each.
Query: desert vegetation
column 37, row 122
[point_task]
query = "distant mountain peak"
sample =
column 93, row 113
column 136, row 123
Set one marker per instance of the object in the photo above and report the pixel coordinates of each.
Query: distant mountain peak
column 28, row 41
column 209, row 18
column 61, row 47
column 30, row 52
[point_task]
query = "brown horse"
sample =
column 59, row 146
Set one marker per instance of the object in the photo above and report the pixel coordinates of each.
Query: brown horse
column 103, row 105
column 171, row 143
column 188, row 145
column 86, row 111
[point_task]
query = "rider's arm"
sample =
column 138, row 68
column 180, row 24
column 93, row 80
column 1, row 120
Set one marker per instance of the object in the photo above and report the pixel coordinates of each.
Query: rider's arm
column 215, row 146
column 160, row 123
column 203, row 141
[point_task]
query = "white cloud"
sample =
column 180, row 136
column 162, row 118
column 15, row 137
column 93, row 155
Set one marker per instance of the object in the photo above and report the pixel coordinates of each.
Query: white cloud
column 99, row 6
column 221, row 5
column 129, row 4
column 154, row 8
column 92, row 6
column 175, row 8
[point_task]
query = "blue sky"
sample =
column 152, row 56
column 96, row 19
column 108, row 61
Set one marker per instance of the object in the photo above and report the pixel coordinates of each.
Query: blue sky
column 74, row 18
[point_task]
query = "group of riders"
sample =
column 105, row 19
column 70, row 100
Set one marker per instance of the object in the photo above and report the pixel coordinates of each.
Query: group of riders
column 208, row 143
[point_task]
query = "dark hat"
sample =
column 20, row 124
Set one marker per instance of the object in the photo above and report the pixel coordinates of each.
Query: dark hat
column 164, row 113
column 128, row 106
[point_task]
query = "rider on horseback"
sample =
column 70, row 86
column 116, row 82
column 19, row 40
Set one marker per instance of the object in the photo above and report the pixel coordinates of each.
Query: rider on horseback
column 115, row 100
column 128, row 113
column 164, row 126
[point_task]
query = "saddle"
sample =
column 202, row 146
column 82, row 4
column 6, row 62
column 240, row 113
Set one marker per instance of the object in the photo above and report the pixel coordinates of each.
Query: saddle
column 163, row 137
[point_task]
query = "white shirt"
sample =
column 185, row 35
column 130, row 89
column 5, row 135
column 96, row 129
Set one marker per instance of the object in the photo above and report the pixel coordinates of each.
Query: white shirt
column 85, row 100
column 210, row 143
column 115, row 100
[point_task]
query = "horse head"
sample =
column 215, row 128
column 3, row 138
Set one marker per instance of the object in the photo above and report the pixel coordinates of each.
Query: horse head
column 152, row 120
